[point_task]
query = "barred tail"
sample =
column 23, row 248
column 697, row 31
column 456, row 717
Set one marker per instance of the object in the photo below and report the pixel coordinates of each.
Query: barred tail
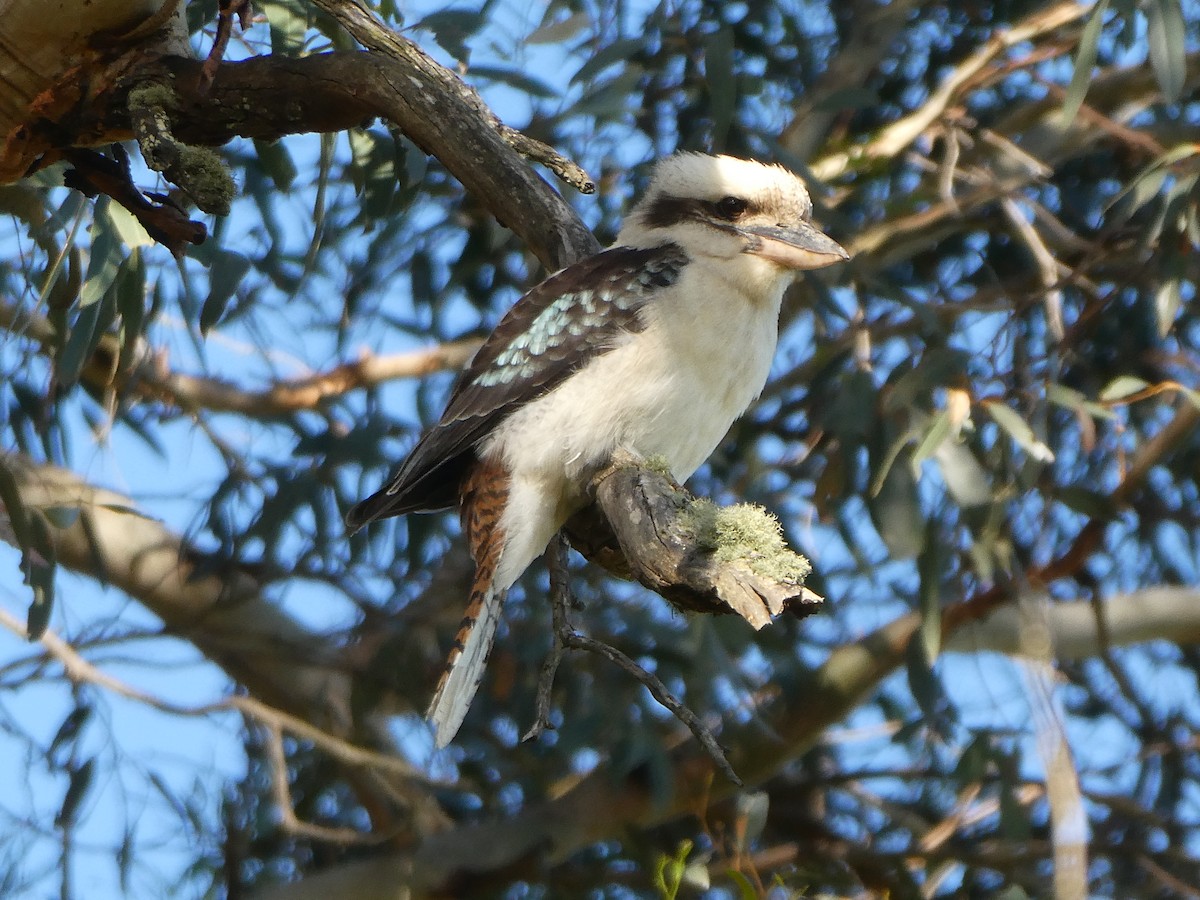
column 465, row 665
column 484, row 496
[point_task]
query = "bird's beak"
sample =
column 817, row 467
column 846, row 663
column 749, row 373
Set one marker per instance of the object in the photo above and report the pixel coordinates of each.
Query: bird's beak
column 798, row 246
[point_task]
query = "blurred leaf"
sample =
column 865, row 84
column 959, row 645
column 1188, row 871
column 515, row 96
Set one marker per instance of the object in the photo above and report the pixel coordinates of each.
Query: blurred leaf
column 1018, row 429
column 104, row 256
column 228, row 270
column 1071, row 399
column 1121, row 387
column 1148, row 183
column 751, row 808
column 130, row 297
column 14, row 506
column 40, row 563
column 973, row 762
column 966, row 480
column 69, row 730
column 746, row 890
column 1166, row 31
column 557, row 32
column 128, row 228
column 84, row 335
column 1014, row 819
column 937, row 430
column 522, row 81
column 1085, row 61
column 852, row 409
column 124, row 857
column 77, row 787
column 1167, row 300
column 931, row 568
column 288, row 22
column 374, row 174
column 896, row 512
column 668, row 875
column 276, row 162
column 452, row 28
column 421, row 274
column 611, row 97
column 938, row 367
column 926, row 688
column 617, row 52
column 722, row 83
column 1087, row 501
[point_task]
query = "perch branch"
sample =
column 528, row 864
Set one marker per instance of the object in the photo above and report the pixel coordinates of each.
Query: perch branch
column 642, row 527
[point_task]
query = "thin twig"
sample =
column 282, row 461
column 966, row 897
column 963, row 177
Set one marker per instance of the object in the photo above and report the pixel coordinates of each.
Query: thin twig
column 282, row 793
column 566, row 638
column 80, row 670
column 149, row 375
column 532, row 149
column 560, row 596
column 227, row 11
column 659, row 691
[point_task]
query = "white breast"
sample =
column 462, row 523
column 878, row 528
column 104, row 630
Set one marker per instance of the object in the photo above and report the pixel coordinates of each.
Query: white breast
column 671, row 390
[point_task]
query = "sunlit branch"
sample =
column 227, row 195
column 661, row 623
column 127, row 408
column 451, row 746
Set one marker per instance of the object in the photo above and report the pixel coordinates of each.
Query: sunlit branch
column 151, row 378
column 80, row 671
column 1159, row 613
column 893, row 139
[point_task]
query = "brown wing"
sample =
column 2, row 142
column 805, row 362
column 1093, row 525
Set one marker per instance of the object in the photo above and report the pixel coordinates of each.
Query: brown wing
column 549, row 333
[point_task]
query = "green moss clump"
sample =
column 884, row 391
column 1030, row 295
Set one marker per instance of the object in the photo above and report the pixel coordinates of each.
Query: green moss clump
column 205, row 178
column 152, row 93
column 746, row 534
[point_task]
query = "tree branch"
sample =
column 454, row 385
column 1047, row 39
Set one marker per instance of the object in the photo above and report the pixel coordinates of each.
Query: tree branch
column 150, row 378
column 267, row 97
column 1159, row 613
column 645, row 527
column 225, row 615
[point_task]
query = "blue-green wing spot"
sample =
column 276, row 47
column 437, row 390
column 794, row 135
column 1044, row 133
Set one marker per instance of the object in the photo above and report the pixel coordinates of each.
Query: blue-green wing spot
column 549, row 333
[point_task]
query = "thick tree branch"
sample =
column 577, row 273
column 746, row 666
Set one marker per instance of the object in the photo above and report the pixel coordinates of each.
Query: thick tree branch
column 149, row 376
column 225, row 615
column 645, row 527
column 1159, row 613
column 268, row 97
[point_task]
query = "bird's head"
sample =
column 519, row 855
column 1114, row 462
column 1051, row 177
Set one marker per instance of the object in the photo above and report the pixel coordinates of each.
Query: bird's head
column 731, row 210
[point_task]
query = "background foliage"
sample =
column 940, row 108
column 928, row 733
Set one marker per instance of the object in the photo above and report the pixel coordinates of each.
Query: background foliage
column 993, row 402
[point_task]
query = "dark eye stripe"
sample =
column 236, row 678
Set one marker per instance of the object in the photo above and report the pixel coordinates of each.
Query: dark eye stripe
column 729, row 208
column 667, row 211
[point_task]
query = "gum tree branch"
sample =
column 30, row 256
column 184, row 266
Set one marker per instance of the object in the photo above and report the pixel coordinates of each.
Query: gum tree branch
column 224, row 614
column 150, row 378
column 899, row 135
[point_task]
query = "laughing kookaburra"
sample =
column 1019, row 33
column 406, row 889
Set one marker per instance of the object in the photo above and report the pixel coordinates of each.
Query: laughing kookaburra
column 653, row 347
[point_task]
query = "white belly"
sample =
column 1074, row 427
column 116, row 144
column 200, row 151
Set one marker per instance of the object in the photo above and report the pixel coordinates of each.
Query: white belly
column 671, row 391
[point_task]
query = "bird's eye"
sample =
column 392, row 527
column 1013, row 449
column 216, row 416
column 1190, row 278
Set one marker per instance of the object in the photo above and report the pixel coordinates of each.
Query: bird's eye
column 730, row 207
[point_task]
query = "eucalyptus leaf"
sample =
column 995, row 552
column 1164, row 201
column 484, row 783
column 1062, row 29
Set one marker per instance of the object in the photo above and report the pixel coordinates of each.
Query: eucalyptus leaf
column 1018, row 429
column 1085, row 61
column 228, row 269
column 104, row 258
column 1166, row 32
column 1121, row 387
column 557, row 32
